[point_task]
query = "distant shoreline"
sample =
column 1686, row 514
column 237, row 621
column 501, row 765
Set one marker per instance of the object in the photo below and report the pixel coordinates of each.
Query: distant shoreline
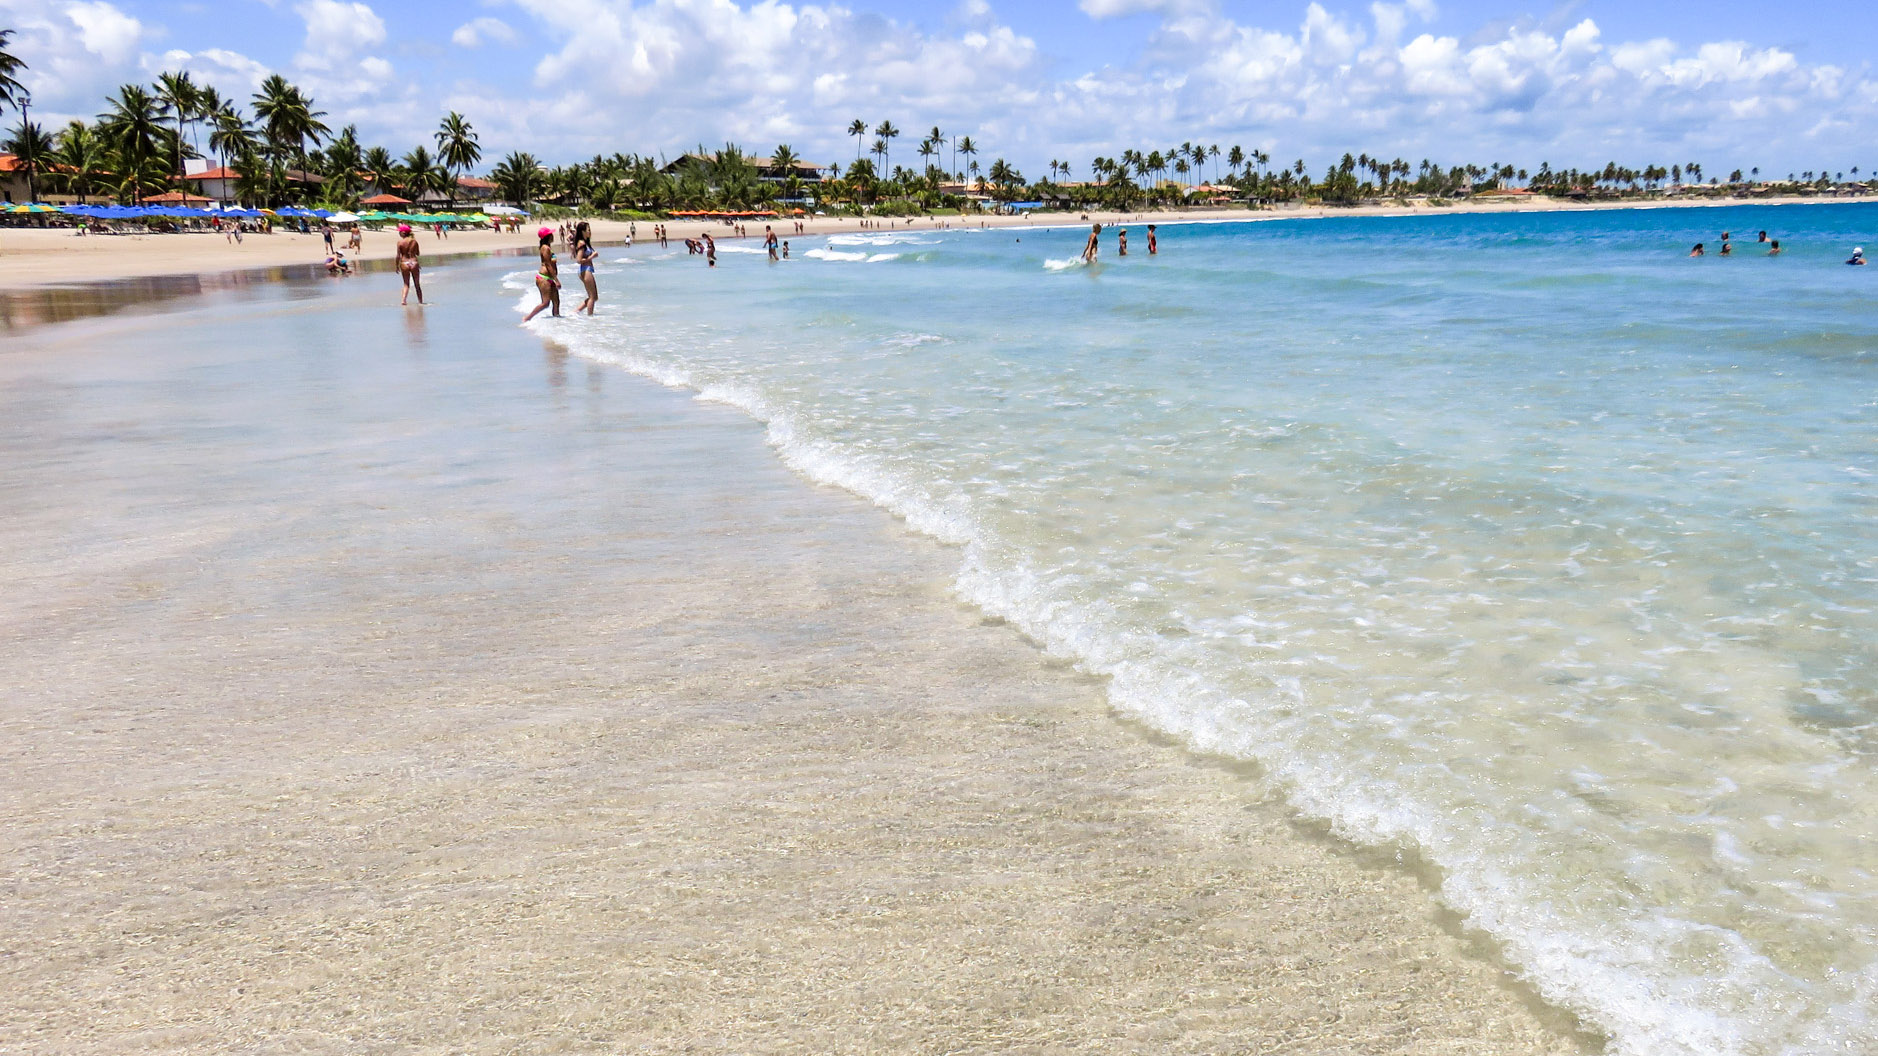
column 32, row 258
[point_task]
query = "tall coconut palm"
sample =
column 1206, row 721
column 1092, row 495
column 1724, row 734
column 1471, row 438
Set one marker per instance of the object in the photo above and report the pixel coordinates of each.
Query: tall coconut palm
column 33, row 148
column 229, row 135
column 422, row 174
column 134, row 130
column 966, row 147
column 209, row 102
column 379, row 163
column 858, row 129
column 887, row 134
column 938, row 139
column 287, row 117
column 344, row 159
column 517, row 176
column 457, row 147
column 81, row 157
column 179, row 96
column 10, row 66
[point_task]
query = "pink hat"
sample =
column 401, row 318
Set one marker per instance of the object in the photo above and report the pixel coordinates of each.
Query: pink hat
column 544, row 232
column 404, row 229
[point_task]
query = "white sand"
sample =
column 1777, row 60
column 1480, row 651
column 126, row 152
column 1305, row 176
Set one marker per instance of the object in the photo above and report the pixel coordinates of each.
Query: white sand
column 424, row 692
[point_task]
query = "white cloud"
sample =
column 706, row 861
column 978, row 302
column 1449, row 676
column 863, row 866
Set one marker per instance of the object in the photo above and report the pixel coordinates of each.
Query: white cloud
column 229, row 71
column 474, row 33
column 76, row 54
column 336, row 31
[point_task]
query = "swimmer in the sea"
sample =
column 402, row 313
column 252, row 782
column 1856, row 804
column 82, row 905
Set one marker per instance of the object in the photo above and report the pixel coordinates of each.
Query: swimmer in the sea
column 1698, row 251
column 1093, row 246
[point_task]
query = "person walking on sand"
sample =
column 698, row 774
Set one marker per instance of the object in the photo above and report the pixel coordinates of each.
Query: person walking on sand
column 547, row 276
column 408, row 267
column 584, row 258
column 1093, row 246
column 326, row 232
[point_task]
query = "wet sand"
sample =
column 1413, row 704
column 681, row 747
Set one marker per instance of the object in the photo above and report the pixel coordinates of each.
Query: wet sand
column 381, row 681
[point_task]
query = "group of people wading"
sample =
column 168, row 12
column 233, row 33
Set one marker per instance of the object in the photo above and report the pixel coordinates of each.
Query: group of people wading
column 548, row 271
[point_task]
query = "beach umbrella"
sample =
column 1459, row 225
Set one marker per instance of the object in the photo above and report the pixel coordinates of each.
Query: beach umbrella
column 343, row 218
column 323, row 214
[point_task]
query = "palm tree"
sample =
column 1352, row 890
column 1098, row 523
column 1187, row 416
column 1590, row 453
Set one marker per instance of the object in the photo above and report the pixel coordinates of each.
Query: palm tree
column 133, row 130
column 879, row 150
column 939, row 141
column 927, row 148
column 423, row 175
column 344, row 159
column 180, row 97
column 517, row 177
column 887, row 134
column 80, row 156
column 287, row 117
column 858, row 129
column 209, row 102
column 32, row 146
column 10, row 66
column 379, row 163
column 230, row 137
column 966, row 147
column 456, row 148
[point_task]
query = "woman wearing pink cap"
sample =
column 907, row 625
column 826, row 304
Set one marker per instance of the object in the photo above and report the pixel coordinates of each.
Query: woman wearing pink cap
column 547, row 276
column 408, row 266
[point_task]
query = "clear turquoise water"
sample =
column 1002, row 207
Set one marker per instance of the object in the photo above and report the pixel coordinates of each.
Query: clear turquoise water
column 1524, row 545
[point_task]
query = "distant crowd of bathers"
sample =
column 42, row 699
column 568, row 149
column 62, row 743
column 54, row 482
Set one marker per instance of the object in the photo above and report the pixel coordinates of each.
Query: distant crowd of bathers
column 1857, row 259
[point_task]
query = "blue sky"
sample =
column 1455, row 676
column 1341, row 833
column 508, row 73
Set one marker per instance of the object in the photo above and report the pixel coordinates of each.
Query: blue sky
column 1729, row 83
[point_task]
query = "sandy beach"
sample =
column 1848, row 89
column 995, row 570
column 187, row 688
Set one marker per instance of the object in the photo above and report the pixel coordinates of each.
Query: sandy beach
column 31, row 257
column 379, row 681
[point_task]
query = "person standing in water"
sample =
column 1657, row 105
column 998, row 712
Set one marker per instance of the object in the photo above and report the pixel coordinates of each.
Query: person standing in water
column 1093, row 246
column 408, row 267
column 1122, row 243
column 769, row 240
column 1153, row 246
column 585, row 257
column 547, row 275
column 710, row 250
column 1775, row 251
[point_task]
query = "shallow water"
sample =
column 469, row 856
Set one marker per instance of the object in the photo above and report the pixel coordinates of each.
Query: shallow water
column 1523, row 544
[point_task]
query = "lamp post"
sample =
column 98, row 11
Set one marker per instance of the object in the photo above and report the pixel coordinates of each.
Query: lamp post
column 26, row 140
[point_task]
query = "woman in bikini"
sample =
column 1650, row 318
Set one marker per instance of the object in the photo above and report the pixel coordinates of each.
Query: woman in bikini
column 586, row 257
column 547, row 276
column 408, row 267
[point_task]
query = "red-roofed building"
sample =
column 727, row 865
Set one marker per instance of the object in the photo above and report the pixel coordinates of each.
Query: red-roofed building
column 219, row 183
column 12, row 178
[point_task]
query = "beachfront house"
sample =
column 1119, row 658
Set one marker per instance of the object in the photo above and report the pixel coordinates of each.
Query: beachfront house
column 13, row 183
column 218, row 183
column 766, row 170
